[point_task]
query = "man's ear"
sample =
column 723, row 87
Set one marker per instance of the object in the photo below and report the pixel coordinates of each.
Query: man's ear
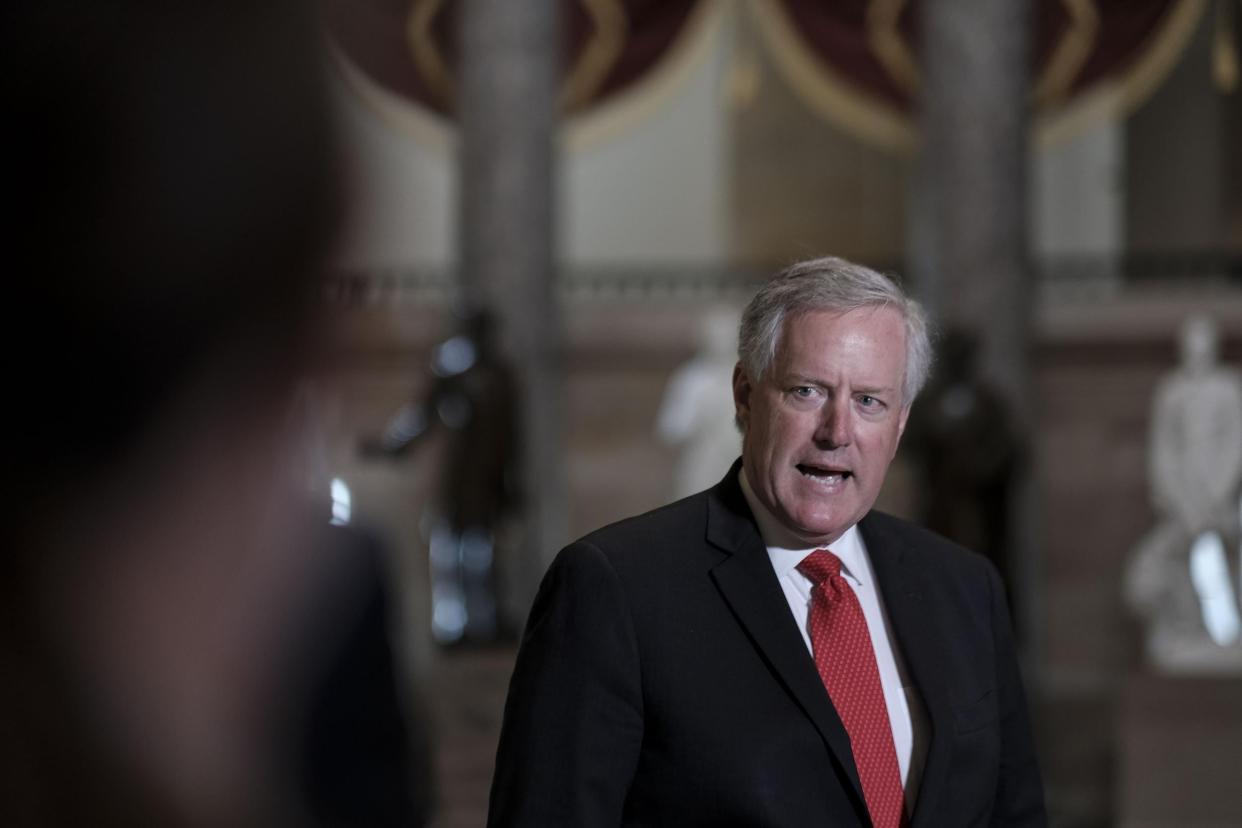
column 741, row 396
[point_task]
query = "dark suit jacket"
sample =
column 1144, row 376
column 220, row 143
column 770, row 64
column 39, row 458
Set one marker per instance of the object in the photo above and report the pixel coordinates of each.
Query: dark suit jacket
column 662, row 681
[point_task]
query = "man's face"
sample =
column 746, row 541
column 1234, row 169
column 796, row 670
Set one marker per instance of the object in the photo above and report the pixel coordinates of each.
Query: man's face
column 821, row 427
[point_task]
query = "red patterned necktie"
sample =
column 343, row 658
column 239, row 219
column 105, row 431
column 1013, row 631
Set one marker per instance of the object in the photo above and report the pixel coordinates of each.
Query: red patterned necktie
column 846, row 663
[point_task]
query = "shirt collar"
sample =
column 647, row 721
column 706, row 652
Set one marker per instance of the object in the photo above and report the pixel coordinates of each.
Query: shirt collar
column 787, row 551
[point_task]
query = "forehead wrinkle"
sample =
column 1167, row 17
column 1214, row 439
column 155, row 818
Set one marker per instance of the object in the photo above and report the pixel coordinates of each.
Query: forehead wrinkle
column 849, row 353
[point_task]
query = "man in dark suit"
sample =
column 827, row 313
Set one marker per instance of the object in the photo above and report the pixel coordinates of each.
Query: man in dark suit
column 771, row 652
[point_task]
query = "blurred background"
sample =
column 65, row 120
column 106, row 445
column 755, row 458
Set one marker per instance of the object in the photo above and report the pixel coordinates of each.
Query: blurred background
column 1060, row 182
column 512, row 240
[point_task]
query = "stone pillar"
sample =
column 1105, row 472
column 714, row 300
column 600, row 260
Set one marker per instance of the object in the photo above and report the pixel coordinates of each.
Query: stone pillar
column 967, row 247
column 968, row 251
column 509, row 65
column 1177, row 175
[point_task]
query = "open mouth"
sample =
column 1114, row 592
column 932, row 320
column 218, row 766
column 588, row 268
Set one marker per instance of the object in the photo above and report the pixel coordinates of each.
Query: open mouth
column 824, row 473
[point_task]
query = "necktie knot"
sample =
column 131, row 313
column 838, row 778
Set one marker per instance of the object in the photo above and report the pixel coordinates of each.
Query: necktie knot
column 820, row 566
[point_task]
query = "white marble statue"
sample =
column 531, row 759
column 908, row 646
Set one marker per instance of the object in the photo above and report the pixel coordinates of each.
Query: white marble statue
column 696, row 414
column 1184, row 575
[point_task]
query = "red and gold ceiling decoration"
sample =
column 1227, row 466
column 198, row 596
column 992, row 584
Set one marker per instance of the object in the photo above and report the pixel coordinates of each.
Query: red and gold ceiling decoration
column 854, row 61
column 408, row 46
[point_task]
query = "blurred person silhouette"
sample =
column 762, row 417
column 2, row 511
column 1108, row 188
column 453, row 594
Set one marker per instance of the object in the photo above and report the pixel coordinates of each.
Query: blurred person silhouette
column 473, row 398
column 177, row 623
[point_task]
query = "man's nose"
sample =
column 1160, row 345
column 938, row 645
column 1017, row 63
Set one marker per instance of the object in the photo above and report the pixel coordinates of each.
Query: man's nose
column 834, row 424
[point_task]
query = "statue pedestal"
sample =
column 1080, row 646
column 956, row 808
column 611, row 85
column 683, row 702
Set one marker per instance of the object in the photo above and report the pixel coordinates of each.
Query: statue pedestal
column 1180, row 753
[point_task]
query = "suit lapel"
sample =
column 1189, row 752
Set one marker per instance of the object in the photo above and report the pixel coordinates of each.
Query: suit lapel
column 748, row 584
column 915, row 627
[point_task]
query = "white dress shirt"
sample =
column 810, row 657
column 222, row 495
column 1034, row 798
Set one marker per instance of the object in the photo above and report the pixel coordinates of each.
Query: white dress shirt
column 905, row 710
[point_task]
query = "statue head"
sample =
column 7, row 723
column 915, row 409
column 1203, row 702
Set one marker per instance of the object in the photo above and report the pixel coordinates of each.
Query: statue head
column 718, row 331
column 1198, row 340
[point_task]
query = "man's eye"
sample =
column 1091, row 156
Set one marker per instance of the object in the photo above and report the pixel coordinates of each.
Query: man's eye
column 868, row 401
column 804, row 391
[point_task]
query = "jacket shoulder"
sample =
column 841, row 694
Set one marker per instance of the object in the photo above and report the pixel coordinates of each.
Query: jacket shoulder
column 679, row 522
column 893, row 532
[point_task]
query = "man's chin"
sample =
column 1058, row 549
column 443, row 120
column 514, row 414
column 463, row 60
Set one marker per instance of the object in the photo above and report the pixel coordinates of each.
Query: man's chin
column 819, row 533
column 817, row 525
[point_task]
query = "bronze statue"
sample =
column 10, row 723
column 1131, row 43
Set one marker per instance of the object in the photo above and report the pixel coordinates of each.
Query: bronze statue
column 473, row 399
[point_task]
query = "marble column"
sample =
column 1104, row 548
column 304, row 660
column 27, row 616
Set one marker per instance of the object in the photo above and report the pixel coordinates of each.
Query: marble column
column 509, row 64
column 967, row 246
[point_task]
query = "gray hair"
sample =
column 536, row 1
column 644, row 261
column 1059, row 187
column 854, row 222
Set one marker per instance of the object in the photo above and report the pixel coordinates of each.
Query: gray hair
column 836, row 285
